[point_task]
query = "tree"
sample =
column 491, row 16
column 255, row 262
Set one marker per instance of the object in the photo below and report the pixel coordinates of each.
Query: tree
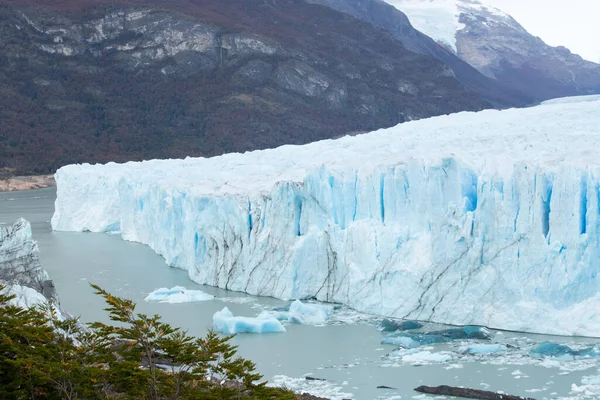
column 45, row 357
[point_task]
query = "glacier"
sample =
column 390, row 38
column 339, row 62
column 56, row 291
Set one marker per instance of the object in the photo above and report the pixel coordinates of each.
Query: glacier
column 488, row 218
column 440, row 19
column 21, row 271
column 20, row 264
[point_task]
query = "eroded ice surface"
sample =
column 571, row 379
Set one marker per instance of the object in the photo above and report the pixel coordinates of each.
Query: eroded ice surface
column 178, row 294
column 225, row 322
column 305, row 313
column 487, row 218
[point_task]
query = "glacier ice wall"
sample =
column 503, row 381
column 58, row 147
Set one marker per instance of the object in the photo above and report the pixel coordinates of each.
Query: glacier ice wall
column 487, row 218
column 20, row 261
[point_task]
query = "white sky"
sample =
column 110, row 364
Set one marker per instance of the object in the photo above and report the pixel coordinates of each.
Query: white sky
column 574, row 24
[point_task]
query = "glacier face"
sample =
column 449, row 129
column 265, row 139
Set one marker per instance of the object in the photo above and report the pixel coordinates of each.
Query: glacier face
column 489, row 218
column 20, row 264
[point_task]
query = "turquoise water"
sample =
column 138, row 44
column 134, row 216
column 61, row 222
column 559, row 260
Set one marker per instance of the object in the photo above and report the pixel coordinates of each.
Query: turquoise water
column 349, row 356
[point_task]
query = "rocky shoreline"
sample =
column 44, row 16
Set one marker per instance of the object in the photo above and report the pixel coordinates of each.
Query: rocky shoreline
column 19, row 183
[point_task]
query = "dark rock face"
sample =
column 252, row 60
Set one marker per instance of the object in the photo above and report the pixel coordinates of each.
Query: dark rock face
column 498, row 46
column 390, row 19
column 99, row 80
column 519, row 67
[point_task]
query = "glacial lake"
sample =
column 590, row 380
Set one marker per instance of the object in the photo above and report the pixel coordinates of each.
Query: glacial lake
column 347, row 352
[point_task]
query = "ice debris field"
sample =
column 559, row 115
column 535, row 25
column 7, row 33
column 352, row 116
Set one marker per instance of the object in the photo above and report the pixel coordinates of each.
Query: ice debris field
column 488, row 218
column 270, row 321
column 178, row 294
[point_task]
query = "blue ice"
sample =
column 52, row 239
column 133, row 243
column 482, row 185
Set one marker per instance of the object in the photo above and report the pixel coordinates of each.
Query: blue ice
column 225, row 322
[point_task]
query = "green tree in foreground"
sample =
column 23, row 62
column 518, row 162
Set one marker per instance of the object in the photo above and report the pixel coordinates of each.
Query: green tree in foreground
column 139, row 357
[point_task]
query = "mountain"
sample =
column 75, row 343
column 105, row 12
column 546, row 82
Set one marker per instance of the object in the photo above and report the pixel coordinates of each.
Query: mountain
column 489, row 218
column 102, row 80
column 500, row 48
column 392, row 20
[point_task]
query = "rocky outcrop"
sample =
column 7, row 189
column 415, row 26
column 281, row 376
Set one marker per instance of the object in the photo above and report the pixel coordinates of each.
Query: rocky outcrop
column 19, row 183
column 97, row 81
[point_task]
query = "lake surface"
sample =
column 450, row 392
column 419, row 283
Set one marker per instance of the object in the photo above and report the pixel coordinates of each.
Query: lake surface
column 347, row 352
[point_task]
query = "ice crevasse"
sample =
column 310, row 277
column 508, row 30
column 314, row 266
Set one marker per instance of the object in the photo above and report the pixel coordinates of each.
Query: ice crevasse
column 488, row 218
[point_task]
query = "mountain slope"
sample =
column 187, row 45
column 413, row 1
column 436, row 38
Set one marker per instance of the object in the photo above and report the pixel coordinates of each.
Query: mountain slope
column 500, row 48
column 389, row 18
column 98, row 80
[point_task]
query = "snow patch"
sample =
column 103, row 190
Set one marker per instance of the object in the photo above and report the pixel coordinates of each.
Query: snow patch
column 439, row 19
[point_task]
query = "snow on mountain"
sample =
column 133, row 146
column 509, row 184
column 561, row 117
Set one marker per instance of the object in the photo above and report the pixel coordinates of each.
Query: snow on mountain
column 489, row 218
column 499, row 47
column 440, row 19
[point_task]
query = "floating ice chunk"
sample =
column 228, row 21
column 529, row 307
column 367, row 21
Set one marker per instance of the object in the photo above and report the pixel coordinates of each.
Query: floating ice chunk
column 411, row 340
column 484, row 348
column 318, row 388
column 550, row 349
column 423, row 357
column 178, row 294
column 305, row 313
column 392, row 325
column 563, row 352
column 466, row 332
column 590, row 387
column 225, row 322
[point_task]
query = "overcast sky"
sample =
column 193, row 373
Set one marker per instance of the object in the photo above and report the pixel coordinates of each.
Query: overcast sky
column 574, row 24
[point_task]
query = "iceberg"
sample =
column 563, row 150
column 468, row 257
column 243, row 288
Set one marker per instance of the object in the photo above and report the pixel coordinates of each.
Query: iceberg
column 412, row 340
column 562, row 351
column 178, row 294
column 305, row 313
column 390, row 325
column 488, row 218
column 484, row 348
column 225, row 322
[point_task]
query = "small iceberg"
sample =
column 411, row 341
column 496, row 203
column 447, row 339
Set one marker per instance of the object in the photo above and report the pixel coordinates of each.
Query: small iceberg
column 225, row 322
column 424, row 357
column 563, row 352
column 178, row 294
column 305, row 313
column 391, row 325
column 412, row 340
column 484, row 348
